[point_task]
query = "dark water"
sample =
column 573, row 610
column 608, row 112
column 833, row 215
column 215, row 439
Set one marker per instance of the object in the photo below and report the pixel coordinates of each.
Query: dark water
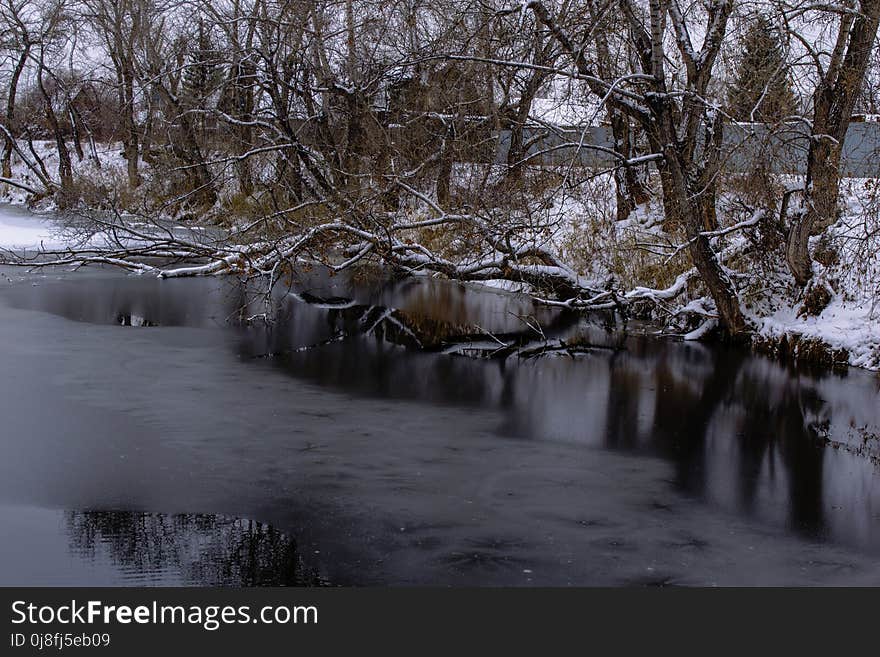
column 635, row 461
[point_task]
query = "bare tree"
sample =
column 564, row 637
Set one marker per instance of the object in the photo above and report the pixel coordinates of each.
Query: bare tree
column 347, row 130
column 674, row 121
column 839, row 83
column 120, row 24
column 19, row 40
column 630, row 185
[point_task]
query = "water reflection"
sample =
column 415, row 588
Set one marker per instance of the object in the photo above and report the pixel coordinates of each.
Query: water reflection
column 104, row 298
column 200, row 549
column 147, row 549
column 788, row 448
column 742, row 432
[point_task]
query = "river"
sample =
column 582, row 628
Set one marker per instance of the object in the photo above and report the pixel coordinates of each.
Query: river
column 147, row 436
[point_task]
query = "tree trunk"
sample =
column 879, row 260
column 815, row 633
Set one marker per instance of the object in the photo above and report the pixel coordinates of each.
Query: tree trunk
column 820, row 211
column 518, row 149
column 131, row 149
column 244, row 95
column 8, row 146
column 631, row 189
column 65, row 168
column 689, row 208
column 187, row 149
column 444, row 178
column 833, row 104
column 74, row 127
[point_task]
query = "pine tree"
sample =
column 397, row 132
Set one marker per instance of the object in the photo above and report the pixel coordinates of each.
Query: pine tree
column 202, row 75
column 201, row 78
column 761, row 78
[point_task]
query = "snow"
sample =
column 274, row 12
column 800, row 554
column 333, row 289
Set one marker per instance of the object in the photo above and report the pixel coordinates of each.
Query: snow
column 564, row 106
column 702, row 330
column 840, row 325
column 105, row 165
column 22, row 230
column 851, row 321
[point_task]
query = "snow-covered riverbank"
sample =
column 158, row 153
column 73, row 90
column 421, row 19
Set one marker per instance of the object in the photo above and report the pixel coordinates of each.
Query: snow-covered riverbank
column 638, row 254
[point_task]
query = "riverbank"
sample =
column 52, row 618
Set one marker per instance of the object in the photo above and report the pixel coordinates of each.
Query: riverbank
column 835, row 323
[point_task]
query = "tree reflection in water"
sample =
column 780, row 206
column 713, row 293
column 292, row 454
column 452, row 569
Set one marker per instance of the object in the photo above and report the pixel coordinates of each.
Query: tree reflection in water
column 194, row 549
column 741, row 432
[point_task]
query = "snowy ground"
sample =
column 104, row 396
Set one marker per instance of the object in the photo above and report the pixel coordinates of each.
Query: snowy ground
column 598, row 246
column 849, row 326
column 852, row 318
column 23, row 230
column 103, row 165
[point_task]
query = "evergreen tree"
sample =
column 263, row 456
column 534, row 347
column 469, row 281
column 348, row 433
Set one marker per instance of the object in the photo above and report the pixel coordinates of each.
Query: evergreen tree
column 201, row 78
column 202, row 75
column 761, row 77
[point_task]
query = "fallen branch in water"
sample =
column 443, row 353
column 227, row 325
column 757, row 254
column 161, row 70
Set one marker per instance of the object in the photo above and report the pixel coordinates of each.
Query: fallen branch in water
column 146, row 245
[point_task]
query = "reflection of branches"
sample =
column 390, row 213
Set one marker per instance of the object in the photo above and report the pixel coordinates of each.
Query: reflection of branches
column 419, row 331
column 205, row 549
